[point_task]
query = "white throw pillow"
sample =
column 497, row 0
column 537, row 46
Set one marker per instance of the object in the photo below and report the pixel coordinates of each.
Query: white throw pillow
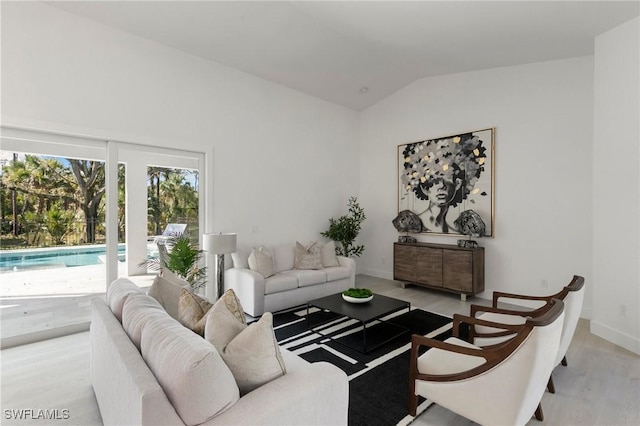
column 174, row 278
column 225, row 321
column 240, row 259
column 329, row 257
column 307, row 257
column 261, row 261
column 251, row 352
column 167, row 292
column 253, row 356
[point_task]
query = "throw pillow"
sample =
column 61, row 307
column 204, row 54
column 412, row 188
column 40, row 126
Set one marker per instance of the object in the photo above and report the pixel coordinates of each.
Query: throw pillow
column 261, row 261
column 329, row 254
column 307, row 257
column 167, row 292
column 251, row 352
column 192, row 310
column 253, row 356
column 224, row 321
column 173, row 278
column 240, row 259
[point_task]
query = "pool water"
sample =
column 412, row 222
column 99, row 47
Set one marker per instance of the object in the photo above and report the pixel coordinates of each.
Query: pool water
column 59, row 257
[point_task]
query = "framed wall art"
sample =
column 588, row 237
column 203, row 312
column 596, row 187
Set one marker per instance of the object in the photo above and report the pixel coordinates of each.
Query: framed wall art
column 439, row 179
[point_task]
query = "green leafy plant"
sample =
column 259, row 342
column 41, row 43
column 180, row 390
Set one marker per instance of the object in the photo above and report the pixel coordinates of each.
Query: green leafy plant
column 183, row 259
column 358, row 293
column 58, row 223
column 345, row 229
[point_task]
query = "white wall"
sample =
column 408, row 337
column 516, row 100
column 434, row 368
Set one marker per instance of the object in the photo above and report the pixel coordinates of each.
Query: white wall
column 616, row 187
column 542, row 113
column 283, row 162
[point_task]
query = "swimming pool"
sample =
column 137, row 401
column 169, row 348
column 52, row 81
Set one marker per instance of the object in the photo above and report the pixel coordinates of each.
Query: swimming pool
column 57, row 257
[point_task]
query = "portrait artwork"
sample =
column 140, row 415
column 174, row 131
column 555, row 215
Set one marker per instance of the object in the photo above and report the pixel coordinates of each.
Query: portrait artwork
column 438, row 179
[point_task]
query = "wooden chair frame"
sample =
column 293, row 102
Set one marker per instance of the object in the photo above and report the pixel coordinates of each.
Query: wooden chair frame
column 576, row 284
column 493, row 355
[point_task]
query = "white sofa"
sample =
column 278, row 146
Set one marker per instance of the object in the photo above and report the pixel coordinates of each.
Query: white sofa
column 289, row 287
column 129, row 393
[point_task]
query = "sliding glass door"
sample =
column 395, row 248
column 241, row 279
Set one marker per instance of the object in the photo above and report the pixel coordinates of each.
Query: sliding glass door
column 78, row 213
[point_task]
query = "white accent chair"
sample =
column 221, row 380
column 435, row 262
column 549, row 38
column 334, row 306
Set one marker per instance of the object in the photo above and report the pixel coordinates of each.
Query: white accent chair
column 495, row 385
column 572, row 295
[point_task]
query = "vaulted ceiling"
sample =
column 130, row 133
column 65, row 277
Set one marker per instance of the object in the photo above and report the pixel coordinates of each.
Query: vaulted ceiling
column 358, row 52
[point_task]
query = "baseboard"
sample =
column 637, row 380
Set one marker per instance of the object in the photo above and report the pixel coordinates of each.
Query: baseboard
column 378, row 273
column 586, row 313
column 25, row 339
column 616, row 337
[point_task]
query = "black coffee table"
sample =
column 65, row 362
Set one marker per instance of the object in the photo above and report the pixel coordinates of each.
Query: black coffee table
column 380, row 306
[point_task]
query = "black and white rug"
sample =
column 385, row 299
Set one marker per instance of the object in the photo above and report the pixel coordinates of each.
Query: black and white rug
column 379, row 380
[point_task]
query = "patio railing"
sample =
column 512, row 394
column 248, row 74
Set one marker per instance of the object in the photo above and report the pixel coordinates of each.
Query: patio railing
column 36, row 234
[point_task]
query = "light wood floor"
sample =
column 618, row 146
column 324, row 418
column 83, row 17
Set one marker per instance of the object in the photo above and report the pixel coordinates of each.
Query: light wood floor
column 601, row 385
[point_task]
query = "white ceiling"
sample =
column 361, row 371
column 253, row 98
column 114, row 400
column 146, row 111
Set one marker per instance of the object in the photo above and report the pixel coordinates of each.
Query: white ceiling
column 332, row 50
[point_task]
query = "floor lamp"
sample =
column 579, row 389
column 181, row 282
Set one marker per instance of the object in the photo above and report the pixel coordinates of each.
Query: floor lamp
column 219, row 244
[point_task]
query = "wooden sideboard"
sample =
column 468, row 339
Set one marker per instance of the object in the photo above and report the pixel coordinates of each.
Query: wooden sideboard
column 440, row 266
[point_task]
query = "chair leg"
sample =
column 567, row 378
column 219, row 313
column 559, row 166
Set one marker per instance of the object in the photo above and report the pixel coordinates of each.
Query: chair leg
column 413, row 404
column 550, row 387
column 564, row 361
column 539, row 414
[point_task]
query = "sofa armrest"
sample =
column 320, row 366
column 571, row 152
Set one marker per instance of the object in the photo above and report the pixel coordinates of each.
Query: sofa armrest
column 315, row 395
column 351, row 264
column 249, row 287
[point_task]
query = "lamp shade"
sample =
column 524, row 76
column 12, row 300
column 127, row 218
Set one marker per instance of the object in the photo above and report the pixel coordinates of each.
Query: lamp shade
column 219, row 243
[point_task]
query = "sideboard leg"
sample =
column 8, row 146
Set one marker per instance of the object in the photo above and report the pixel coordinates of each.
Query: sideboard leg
column 463, row 297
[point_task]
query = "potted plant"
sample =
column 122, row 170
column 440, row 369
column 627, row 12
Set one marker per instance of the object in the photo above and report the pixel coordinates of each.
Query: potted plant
column 345, row 229
column 183, row 258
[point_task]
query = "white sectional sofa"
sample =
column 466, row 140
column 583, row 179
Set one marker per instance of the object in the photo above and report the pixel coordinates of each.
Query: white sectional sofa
column 178, row 378
column 288, row 287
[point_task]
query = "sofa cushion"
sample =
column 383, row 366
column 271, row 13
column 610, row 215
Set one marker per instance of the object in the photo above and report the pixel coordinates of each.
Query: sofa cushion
column 337, row 273
column 261, row 261
column 117, row 293
column 225, row 320
column 307, row 257
column 191, row 372
column 280, row 282
column 328, row 251
column 251, row 352
column 192, row 310
column 284, row 256
column 167, row 292
column 307, row 277
column 137, row 310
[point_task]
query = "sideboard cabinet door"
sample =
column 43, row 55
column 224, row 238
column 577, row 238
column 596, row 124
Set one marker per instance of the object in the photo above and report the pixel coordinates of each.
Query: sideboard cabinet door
column 404, row 263
column 457, row 272
column 429, row 266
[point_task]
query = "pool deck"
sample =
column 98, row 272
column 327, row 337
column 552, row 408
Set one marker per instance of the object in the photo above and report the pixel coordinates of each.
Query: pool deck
column 37, row 300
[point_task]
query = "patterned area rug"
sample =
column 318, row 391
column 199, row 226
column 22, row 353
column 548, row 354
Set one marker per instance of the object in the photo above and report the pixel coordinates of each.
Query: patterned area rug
column 379, row 380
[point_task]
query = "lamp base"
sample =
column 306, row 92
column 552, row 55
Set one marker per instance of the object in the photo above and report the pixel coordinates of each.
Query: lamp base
column 220, row 275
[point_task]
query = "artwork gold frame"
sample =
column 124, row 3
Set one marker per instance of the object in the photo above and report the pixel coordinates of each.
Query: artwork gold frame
column 440, row 178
